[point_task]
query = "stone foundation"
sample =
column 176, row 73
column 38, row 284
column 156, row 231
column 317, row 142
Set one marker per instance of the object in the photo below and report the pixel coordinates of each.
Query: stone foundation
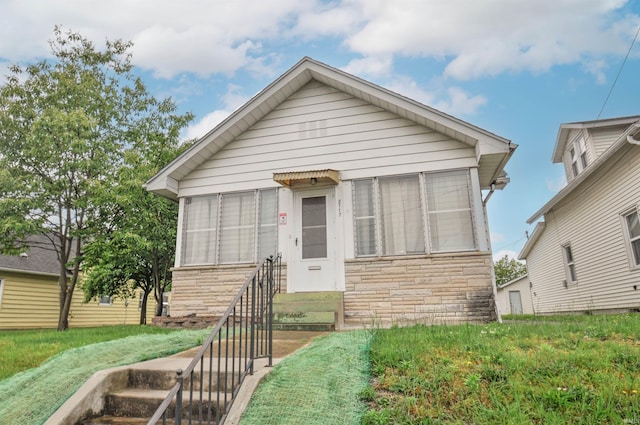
column 208, row 291
column 379, row 292
column 427, row 290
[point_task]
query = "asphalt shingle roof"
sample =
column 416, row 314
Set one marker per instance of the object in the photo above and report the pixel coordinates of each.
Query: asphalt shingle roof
column 40, row 258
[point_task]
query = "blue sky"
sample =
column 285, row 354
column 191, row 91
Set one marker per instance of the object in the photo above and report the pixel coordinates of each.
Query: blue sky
column 518, row 68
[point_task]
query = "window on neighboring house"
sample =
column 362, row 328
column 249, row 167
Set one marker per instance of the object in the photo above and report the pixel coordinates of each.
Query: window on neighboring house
column 578, row 153
column 1, row 290
column 230, row 227
column 570, row 266
column 105, row 300
column 632, row 221
column 391, row 214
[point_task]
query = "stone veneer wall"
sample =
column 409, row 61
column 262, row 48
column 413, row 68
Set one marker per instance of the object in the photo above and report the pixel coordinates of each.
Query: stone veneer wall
column 208, row 291
column 435, row 289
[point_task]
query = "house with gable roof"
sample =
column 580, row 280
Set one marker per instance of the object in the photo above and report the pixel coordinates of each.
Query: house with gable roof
column 370, row 196
column 29, row 294
column 584, row 255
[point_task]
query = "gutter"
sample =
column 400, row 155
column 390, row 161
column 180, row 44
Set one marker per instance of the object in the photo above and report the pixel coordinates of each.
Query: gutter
column 9, row 270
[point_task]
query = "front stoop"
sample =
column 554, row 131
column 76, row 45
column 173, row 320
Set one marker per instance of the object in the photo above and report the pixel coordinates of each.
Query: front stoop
column 312, row 311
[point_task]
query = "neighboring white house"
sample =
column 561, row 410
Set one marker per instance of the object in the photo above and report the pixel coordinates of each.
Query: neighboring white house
column 585, row 255
column 365, row 193
column 514, row 297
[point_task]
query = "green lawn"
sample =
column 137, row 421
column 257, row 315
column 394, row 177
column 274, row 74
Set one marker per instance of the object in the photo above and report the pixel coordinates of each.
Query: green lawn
column 31, row 396
column 22, row 350
column 582, row 369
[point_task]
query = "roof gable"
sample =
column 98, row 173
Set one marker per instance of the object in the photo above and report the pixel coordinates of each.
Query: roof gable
column 628, row 136
column 492, row 151
column 565, row 131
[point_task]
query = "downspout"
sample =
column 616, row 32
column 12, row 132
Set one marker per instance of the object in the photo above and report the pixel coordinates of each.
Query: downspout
column 486, row 199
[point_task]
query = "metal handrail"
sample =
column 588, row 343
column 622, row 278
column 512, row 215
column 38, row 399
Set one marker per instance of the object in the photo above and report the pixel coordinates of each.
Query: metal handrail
column 245, row 329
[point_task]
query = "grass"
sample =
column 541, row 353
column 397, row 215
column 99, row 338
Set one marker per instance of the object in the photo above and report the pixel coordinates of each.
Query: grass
column 31, row 396
column 317, row 385
column 25, row 349
column 567, row 369
column 583, row 369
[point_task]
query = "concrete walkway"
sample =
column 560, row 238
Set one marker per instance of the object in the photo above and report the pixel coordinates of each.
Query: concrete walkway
column 90, row 397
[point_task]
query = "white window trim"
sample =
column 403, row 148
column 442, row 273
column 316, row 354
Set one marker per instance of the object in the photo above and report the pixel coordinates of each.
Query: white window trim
column 568, row 264
column 256, row 226
column 424, row 214
column 627, row 236
column 578, row 160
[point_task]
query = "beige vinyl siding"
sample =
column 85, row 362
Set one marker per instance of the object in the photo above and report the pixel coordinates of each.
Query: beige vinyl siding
column 603, row 138
column 319, row 127
column 30, row 302
column 589, row 219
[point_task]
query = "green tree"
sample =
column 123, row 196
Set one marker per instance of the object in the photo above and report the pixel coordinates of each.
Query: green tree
column 136, row 249
column 65, row 126
column 506, row 269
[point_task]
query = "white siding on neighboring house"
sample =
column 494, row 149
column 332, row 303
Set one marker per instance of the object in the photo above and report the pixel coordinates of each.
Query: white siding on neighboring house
column 590, row 221
column 319, row 127
column 603, row 138
column 521, row 286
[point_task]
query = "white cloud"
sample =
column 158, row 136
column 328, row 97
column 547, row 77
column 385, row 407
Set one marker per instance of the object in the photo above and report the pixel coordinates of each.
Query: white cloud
column 232, row 100
column 453, row 100
column 460, row 102
column 491, row 37
column 372, row 66
column 472, row 38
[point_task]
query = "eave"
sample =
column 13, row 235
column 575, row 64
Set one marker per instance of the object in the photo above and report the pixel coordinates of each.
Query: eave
column 492, row 150
column 528, row 246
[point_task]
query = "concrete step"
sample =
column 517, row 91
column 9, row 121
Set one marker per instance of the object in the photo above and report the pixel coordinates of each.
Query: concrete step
column 305, row 317
column 311, row 311
column 136, row 403
column 307, row 296
column 296, row 306
column 147, row 379
column 310, row 327
column 114, row 420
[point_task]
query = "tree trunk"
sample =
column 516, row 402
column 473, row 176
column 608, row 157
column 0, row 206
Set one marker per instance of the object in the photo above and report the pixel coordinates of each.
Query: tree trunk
column 67, row 295
column 159, row 302
column 143, row 308
column 63, row 315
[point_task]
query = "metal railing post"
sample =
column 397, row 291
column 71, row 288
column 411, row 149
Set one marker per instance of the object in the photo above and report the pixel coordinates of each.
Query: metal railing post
column 180, row 380
column 270, row 295
column 253, row 321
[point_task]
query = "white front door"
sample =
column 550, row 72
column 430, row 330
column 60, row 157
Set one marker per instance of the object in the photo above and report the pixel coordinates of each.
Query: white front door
column 314, row 240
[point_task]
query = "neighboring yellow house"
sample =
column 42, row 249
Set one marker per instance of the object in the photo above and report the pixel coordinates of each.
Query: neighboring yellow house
column 29, row 296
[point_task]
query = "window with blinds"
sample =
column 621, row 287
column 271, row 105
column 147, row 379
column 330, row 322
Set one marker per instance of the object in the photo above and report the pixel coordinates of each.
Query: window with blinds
column 413, row 214
column 229, row 228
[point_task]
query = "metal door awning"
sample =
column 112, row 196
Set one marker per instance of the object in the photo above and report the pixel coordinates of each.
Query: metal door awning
column 310, row 177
